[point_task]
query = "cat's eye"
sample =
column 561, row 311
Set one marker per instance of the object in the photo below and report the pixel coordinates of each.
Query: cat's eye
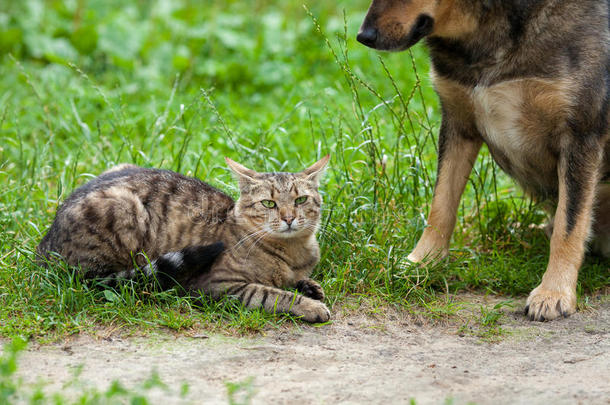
column 268, row 203
column 300, row 200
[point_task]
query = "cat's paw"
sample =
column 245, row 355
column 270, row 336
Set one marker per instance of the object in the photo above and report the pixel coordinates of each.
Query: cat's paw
column 319, row 314
column 311, row 289
column 546, row 305
column 311, row 311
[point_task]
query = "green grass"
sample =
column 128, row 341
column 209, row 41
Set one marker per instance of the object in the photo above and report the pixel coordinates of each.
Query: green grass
column 88, row 84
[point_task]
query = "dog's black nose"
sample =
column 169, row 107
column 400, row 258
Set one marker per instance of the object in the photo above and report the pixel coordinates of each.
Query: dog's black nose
column 367, row 36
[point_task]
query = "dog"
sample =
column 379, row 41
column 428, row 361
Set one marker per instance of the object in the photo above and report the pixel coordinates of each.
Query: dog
column 529, row 78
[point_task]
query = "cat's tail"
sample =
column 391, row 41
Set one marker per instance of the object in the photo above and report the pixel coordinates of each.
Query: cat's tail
column 176, row 268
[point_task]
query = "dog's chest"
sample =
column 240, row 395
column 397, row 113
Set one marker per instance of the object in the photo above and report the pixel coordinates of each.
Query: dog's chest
column 519, row 121
column 499, row 114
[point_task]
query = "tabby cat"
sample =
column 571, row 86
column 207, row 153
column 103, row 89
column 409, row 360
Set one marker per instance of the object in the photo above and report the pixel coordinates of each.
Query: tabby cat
column 131, row 219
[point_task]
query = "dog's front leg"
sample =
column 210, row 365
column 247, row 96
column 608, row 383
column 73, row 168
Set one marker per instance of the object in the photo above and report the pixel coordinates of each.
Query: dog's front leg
column 578, row 171
column 457, row 154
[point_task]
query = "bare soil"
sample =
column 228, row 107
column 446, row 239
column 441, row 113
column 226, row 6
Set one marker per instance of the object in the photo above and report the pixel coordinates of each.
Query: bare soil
column 380, row 359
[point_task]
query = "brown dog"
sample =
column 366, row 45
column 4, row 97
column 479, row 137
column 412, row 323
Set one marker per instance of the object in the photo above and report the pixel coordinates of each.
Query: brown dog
column 531, row 80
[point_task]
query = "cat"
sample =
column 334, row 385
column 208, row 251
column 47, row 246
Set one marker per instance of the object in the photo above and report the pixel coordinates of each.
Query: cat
column 132, row 220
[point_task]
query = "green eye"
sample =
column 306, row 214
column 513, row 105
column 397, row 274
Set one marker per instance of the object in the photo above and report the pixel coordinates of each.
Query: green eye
column 268, row 203
column 300, row 200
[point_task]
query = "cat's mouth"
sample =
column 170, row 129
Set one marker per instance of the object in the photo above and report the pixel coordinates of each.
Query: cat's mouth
column 287, row 228
column 288, row 232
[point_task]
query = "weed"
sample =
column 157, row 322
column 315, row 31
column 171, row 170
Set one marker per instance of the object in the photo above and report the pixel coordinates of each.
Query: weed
column 242, row 392
column 487, row 326
column 13, row 390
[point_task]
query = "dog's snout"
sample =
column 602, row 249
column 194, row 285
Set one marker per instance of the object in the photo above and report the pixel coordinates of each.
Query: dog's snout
column 367, row 36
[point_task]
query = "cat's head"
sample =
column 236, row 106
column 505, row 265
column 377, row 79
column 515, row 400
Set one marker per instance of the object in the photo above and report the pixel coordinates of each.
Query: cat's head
column 279, row 205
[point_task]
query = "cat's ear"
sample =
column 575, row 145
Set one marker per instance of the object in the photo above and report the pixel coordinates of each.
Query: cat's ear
column 313, row 172
column 241, row 171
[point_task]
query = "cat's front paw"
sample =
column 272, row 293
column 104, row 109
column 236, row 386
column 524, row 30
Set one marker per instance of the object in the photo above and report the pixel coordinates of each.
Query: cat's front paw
column 311, row 289
column 317, row 312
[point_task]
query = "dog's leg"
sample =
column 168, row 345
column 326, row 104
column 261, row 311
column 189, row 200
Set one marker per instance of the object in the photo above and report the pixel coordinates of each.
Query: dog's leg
column 601, row 228
column 457, row 155
column 578, row 171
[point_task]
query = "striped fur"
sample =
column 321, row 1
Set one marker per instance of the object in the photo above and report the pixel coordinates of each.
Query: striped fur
column 174, row 268
column 132, row 220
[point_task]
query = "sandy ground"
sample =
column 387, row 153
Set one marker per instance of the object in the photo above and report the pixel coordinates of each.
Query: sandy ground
column 383, row 359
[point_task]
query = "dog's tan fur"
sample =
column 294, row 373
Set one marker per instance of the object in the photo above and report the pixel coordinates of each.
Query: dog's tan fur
column 530, row 79
column 452, row 178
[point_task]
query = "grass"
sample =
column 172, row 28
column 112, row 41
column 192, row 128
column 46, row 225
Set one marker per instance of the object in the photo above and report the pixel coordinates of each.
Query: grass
column 173, row 84
column 487, row 326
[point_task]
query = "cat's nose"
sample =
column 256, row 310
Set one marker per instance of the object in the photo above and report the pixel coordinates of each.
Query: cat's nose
column 288, row 220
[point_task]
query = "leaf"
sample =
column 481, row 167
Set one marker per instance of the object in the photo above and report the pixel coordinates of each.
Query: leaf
column 181, row 59
column 123, row 37
column 111, row 296
column 85, row 39
column 10, row 39
column 53, row 49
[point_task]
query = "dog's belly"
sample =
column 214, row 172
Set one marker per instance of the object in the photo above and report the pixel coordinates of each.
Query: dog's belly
column 520, row 121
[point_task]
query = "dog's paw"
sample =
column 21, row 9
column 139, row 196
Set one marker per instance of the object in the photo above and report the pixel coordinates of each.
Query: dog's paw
column 429, row 258
column 546, row 305
column 413, row 258
column 311, row 289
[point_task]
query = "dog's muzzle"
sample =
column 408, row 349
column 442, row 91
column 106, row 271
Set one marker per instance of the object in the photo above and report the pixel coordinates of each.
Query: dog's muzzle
column 372, row 37
column 367, row 36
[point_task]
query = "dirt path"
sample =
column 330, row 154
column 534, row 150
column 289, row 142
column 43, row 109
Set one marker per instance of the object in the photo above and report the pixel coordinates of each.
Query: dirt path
column 357, row 359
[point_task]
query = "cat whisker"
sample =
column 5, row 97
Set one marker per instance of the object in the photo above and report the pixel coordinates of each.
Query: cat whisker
column 248, row 237
column 256, row 243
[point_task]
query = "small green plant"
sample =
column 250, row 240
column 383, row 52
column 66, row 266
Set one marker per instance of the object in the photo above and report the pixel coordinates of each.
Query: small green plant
column 76, row 391
column 9, row 383
column 487, row 326
column 240, row 393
